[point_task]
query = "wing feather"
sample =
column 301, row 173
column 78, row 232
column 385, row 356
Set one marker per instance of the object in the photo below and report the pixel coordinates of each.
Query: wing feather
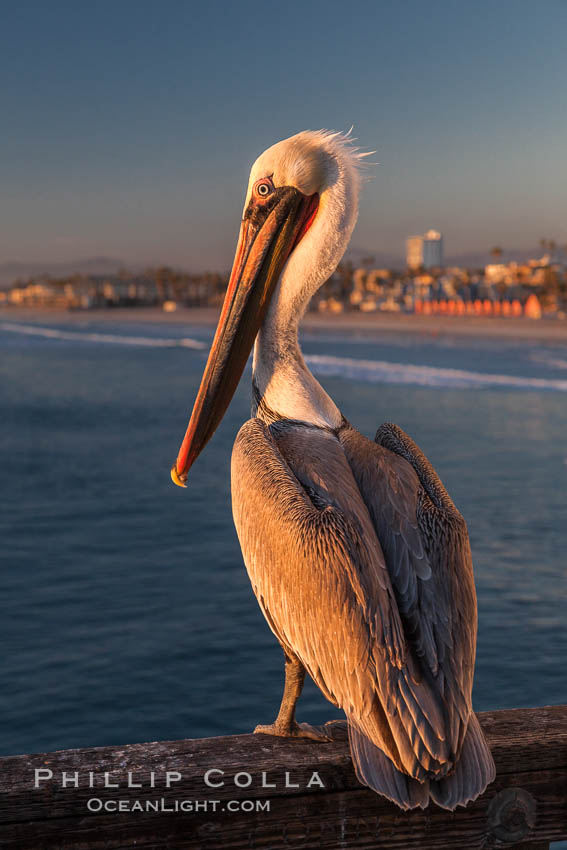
column 428, row 557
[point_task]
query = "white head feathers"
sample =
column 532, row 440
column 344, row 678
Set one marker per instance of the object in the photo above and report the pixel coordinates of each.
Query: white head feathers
column 329, row 164
column 309, row 161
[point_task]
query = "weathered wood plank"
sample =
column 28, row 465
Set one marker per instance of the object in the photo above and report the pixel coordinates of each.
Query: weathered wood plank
column 526, row 806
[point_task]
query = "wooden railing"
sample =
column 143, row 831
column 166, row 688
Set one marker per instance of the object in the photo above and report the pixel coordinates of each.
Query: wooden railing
column 263, row 793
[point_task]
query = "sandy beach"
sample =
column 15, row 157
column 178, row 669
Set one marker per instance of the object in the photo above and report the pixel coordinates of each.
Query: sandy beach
column 550, row 330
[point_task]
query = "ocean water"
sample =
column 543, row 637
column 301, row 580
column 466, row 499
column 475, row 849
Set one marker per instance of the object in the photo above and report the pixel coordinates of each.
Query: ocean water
column 125, row 608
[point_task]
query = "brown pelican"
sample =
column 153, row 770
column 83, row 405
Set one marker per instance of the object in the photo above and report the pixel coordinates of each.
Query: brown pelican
column 358, row 557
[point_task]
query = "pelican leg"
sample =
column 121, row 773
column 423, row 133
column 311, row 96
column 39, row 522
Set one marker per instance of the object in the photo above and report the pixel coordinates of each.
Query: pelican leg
column 285, row 724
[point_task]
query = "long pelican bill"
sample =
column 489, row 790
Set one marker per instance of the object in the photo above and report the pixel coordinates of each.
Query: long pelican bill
column 269, row 232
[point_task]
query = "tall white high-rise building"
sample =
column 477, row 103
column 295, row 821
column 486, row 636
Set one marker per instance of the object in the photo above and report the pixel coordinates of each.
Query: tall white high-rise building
column 426, row 250
column 432, row 249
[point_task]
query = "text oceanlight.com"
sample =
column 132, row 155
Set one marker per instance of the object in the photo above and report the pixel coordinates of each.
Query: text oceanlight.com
column 95, row 804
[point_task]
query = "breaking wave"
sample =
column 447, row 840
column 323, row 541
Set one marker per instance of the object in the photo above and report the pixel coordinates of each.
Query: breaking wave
column 115, row 339
column 370, row 371
column 549, row 360
column 384, row 372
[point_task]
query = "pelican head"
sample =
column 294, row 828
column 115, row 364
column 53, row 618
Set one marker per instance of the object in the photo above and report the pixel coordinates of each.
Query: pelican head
column 301, row 206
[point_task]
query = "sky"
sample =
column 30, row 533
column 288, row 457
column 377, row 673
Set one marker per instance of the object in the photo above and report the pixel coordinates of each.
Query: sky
column 127, row 129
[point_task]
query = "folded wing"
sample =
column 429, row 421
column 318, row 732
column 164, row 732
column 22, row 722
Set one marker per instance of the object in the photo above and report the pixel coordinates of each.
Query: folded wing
column 333, row 536
column 426, row 545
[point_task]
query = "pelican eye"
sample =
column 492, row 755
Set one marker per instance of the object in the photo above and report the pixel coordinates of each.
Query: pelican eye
column 264, row 188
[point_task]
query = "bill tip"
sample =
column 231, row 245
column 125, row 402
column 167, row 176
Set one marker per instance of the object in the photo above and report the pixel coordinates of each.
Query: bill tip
column 180, row 480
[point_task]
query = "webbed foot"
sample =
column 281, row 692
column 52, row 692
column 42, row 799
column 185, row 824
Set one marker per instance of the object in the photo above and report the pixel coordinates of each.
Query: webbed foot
column 294, row 730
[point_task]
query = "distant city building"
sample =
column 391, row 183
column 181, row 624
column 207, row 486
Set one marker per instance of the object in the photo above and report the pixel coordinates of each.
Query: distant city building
column 414, row 252
column 426, row 251
column 432, row 250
